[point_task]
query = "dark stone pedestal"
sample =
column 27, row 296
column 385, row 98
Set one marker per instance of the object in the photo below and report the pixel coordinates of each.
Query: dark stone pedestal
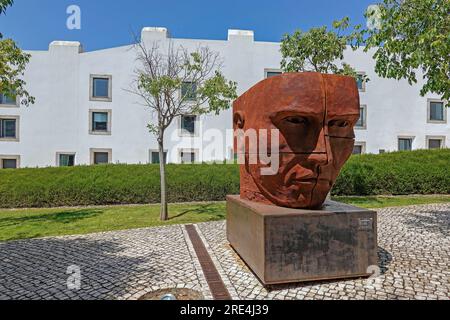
column 284, row 245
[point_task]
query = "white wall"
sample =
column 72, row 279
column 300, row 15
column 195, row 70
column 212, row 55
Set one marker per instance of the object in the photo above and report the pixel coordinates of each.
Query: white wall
column 59, row 120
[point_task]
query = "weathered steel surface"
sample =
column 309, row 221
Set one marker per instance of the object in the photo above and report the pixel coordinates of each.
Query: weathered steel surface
column 315, row 115
column 283, row 245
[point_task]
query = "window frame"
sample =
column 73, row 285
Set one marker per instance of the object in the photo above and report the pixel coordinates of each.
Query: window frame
column 188, row 150
column 364, row 126
column 108, row 131
column 8, row 105
column 429, row 101
column 91, row 87
column 93, row 151
column 442, row 138
column 182, row 132
column 59, row 154
column 17, row 137
column 412, row 138
column 364, row 87
column 10, row 157
column 273, row 70
column 151, row 151
column 362, row 144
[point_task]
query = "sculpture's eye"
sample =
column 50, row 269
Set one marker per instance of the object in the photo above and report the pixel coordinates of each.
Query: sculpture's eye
column 296, row 120
column 339, row 123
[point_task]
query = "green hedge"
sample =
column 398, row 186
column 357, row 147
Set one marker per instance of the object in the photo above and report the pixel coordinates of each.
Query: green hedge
column 398, row 173
column 419, row 172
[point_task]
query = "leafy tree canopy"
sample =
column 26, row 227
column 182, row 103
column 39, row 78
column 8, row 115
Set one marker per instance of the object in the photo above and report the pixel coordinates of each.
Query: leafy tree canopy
column 12, row 66
column 319, row 49
column 411, row 36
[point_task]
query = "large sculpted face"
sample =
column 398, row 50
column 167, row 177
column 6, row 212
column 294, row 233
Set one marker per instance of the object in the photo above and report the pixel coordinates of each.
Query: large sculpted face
column 315, row 115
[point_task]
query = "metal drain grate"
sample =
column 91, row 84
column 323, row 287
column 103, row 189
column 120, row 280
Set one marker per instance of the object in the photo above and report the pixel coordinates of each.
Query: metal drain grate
column 215, row 283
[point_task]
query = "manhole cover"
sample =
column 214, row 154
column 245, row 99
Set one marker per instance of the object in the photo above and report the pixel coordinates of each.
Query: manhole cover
column 180, row 294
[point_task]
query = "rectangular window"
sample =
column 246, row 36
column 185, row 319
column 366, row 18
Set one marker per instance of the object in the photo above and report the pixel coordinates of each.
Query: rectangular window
column 405, row 144
column 101, row 88
column 189, row 91
column 435, row 142
column 101, row 157
column 66, row 160
column 436, row 111
column 362, row 122
column 272, row 73
column 187, row 157
column 8, row 128
column 7, row 100
column 357, row 150
column 100, row 121
column 361, row 82
column 188, row 125
column 155, row 157
column 9, row 163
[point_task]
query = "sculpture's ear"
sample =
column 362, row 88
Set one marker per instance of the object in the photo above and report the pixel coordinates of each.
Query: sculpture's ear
column 239, row 119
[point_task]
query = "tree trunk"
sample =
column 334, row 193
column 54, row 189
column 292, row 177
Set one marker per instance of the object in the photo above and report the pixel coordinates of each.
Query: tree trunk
column 164, row 215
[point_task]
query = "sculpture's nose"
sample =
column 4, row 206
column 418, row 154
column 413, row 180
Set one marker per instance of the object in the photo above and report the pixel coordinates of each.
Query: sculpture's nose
column 319, row 159
column 321, row 155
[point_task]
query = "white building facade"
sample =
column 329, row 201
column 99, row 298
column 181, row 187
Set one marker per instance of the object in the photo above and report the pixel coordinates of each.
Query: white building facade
column 84, row 114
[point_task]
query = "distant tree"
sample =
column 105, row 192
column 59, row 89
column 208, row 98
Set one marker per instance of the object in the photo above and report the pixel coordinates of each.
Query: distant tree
column 412, row 35
column 319, row 49
column 5, row 4
column 173, row 82
column 12, row 66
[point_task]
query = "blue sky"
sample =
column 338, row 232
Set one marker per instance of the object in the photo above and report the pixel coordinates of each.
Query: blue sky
column 108, row 23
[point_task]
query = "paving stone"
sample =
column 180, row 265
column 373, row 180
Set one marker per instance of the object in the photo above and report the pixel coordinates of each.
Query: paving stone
column 113, row 265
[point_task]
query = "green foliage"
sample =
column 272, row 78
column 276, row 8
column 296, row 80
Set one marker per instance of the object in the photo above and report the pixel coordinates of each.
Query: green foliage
column 115, row 184
column 413, row 35
column 218, row 92
column 417, row 172
column 399, row 173
column 12, row 66
column 318, row 49
column 5, row 4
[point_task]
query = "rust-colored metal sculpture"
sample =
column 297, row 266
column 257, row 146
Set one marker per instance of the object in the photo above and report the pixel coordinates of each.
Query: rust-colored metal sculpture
column 281, row 225
column 315, row 115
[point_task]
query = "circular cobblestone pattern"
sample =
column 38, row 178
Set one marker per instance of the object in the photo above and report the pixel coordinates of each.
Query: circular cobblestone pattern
column 179, row 294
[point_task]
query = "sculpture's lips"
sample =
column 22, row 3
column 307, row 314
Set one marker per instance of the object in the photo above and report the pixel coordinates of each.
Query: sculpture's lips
column 303, row 181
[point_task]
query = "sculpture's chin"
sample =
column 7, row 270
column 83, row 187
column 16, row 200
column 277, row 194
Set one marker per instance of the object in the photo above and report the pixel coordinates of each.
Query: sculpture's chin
column 311, row 197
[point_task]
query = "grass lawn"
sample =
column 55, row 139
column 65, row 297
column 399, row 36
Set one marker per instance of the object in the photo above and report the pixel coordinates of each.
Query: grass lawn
column 388, row 201
column 35, row 223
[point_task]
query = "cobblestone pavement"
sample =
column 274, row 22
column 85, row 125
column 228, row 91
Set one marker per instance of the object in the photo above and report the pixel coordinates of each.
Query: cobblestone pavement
column 414, row 258
column 114, row 265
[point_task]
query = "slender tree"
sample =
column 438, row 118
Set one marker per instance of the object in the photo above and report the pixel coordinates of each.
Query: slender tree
column 173, row 82
column 12, row 66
